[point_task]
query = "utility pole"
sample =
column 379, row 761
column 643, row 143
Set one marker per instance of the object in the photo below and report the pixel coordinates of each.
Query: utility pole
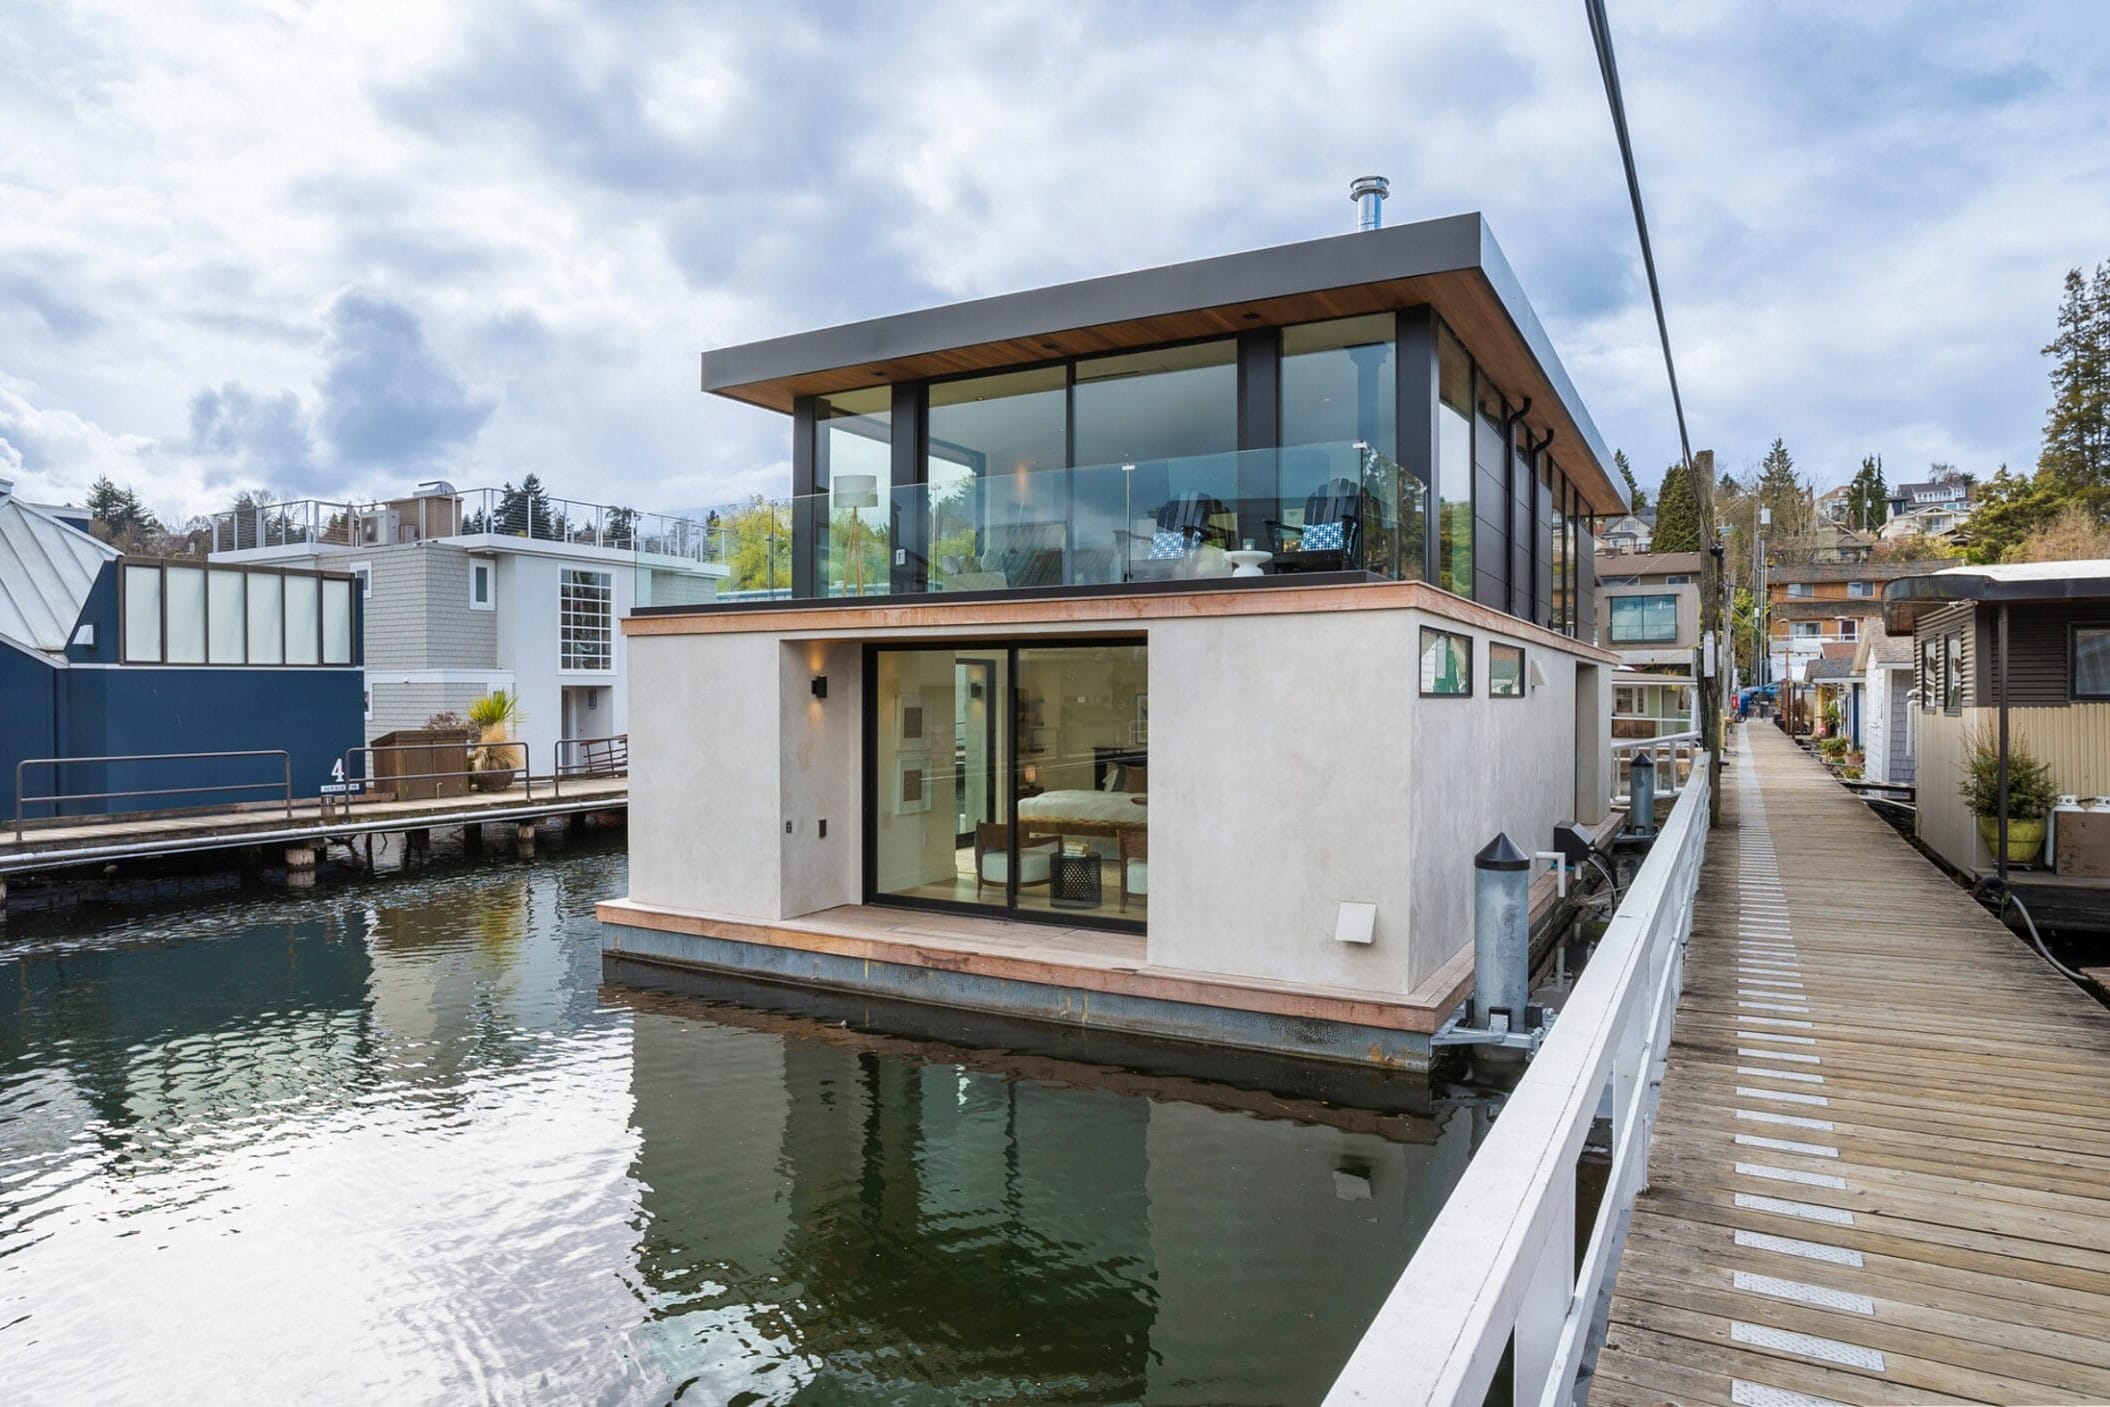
column 1714, row 645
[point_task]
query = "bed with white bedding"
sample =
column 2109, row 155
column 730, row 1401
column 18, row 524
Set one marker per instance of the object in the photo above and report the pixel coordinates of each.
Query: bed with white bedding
column 1089, row 812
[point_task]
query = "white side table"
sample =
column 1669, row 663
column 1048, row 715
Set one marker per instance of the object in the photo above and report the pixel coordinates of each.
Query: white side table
column 1247, row 562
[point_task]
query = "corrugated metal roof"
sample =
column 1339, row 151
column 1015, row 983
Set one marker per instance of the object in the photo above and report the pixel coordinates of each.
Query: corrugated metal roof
column 46, row 570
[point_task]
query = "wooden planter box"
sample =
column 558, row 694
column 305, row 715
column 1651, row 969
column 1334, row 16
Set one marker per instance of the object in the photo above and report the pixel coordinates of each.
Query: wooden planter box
column 422, row 764
column 2080, row 844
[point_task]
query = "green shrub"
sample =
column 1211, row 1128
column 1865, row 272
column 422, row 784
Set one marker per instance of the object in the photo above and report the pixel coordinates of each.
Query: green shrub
column 2031, row 792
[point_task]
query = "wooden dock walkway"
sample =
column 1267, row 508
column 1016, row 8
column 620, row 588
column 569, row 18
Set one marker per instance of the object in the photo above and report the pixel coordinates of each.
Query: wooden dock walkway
column 55, row 845
column 1881, row 1170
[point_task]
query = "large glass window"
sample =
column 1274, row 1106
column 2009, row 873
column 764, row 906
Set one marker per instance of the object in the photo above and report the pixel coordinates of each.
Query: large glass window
column 2091, row 661
column 586, row 619
column 1171, row 403
column 1454, row 467
column 227, row 625
column 853, row 465
column 142, row 604
column 265, row 594
column 998, row 519
column 336, row 621
column 1032, row 798
column 230, row 616
column 1340, row 388
column 185, row 617
column 1150, row 427
column 1644, row 620
column 303, row 645
column 1563, row 595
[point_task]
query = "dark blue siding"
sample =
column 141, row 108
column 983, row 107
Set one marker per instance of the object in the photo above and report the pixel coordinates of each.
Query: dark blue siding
column 28, row 715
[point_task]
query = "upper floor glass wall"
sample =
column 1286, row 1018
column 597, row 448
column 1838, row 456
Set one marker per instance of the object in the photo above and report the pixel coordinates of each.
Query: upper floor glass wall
column 1172, row 403
column 853, row 464
column 1454, row 467
column 1340, row 386
column 990, row 438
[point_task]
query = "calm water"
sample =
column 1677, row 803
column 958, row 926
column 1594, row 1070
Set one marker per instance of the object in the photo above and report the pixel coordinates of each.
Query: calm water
column 395, row 1142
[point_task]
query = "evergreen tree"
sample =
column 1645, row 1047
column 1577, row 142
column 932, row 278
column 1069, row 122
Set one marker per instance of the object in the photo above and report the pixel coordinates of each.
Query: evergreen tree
column 2076, row 454
column 525, row 511
column 1781, row 490
column 2010, row 508
column 1677, row 513
column 118, row 513
column 1635, row 494
column 1867, row 496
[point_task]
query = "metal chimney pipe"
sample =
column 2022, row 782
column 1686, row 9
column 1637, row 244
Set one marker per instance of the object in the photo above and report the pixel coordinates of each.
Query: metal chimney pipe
column 1368, row 193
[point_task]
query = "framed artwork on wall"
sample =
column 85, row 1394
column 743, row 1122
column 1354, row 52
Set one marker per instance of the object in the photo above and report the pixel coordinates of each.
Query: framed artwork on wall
column 912, row 786
column 909, row 722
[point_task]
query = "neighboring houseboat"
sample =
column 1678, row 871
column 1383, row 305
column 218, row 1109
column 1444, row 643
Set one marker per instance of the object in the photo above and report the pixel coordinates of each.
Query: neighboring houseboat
column 1883, row 663
column 1648, row 609
column 1163, row 648
column 2055, row 691
column 106, row 656
column 468, row 592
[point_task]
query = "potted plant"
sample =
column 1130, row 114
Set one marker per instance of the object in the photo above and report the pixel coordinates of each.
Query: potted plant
column 2030, row 795
column 497, row 760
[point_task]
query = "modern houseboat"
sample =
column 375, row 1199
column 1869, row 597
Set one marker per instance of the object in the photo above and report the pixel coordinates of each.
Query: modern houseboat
column 1162, row 648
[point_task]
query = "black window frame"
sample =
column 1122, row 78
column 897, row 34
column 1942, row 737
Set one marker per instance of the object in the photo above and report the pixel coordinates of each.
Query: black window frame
column 1422, row 654
column 1612, row 624
column 1952, row 673
column 2073, row 660
column 1523, row 688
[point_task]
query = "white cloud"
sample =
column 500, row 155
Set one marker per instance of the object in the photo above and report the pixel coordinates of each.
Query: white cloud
column 1861, row 216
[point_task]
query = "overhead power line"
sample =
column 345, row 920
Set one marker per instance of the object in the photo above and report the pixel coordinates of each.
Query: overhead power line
column 1601, row 34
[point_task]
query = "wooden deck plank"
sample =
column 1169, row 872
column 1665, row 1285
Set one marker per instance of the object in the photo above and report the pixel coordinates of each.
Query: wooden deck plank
column 1906, row 1199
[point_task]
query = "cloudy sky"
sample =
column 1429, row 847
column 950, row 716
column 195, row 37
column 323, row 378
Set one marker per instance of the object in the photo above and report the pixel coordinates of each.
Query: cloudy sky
column 333, row 249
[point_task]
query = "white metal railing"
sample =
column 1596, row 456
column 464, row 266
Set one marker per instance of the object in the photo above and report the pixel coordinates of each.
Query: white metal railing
column 1499, row 1262
column 1676, row 755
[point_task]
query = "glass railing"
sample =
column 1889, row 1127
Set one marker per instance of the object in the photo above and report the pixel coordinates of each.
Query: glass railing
column 501, row 512
column 1275, row 512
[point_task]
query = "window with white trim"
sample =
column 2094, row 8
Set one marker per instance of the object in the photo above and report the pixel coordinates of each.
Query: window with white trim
column 483, row 588
column 586, row 619
column 1806, row 629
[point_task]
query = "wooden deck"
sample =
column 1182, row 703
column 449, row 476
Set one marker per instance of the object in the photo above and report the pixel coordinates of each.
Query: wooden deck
column 1881, row 1171
column 49, row 845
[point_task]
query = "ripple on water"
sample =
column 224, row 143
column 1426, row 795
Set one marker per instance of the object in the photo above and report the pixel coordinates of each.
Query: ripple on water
column 393, row 1142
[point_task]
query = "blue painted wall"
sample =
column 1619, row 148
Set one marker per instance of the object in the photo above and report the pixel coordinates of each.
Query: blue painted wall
column 315, row 714
column 28, row 714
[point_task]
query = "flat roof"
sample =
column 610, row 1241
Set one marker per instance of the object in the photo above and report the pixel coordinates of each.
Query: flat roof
column 1904, row 602
column 1451, row 264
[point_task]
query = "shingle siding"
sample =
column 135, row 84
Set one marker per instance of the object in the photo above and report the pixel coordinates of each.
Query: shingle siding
column 418, row 614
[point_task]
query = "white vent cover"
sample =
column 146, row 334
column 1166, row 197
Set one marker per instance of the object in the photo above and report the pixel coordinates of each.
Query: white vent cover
column 1355, row 923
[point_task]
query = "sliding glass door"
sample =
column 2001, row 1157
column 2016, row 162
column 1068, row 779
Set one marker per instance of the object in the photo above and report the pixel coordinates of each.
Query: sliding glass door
column 1012, row 777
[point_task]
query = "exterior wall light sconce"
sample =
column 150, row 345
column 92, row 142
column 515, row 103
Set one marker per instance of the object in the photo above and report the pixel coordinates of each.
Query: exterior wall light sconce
column 820, row 686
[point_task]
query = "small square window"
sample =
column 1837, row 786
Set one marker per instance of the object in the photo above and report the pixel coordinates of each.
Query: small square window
column 1446, row 664
column 480, row 593
column 2091, row 661
column 1505, row 671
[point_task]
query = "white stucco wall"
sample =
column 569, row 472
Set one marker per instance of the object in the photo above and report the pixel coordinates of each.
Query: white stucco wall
column 1293, row 767
column 707, row 775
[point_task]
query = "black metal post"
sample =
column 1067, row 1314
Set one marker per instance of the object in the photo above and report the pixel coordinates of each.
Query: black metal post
column 2000, row 861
